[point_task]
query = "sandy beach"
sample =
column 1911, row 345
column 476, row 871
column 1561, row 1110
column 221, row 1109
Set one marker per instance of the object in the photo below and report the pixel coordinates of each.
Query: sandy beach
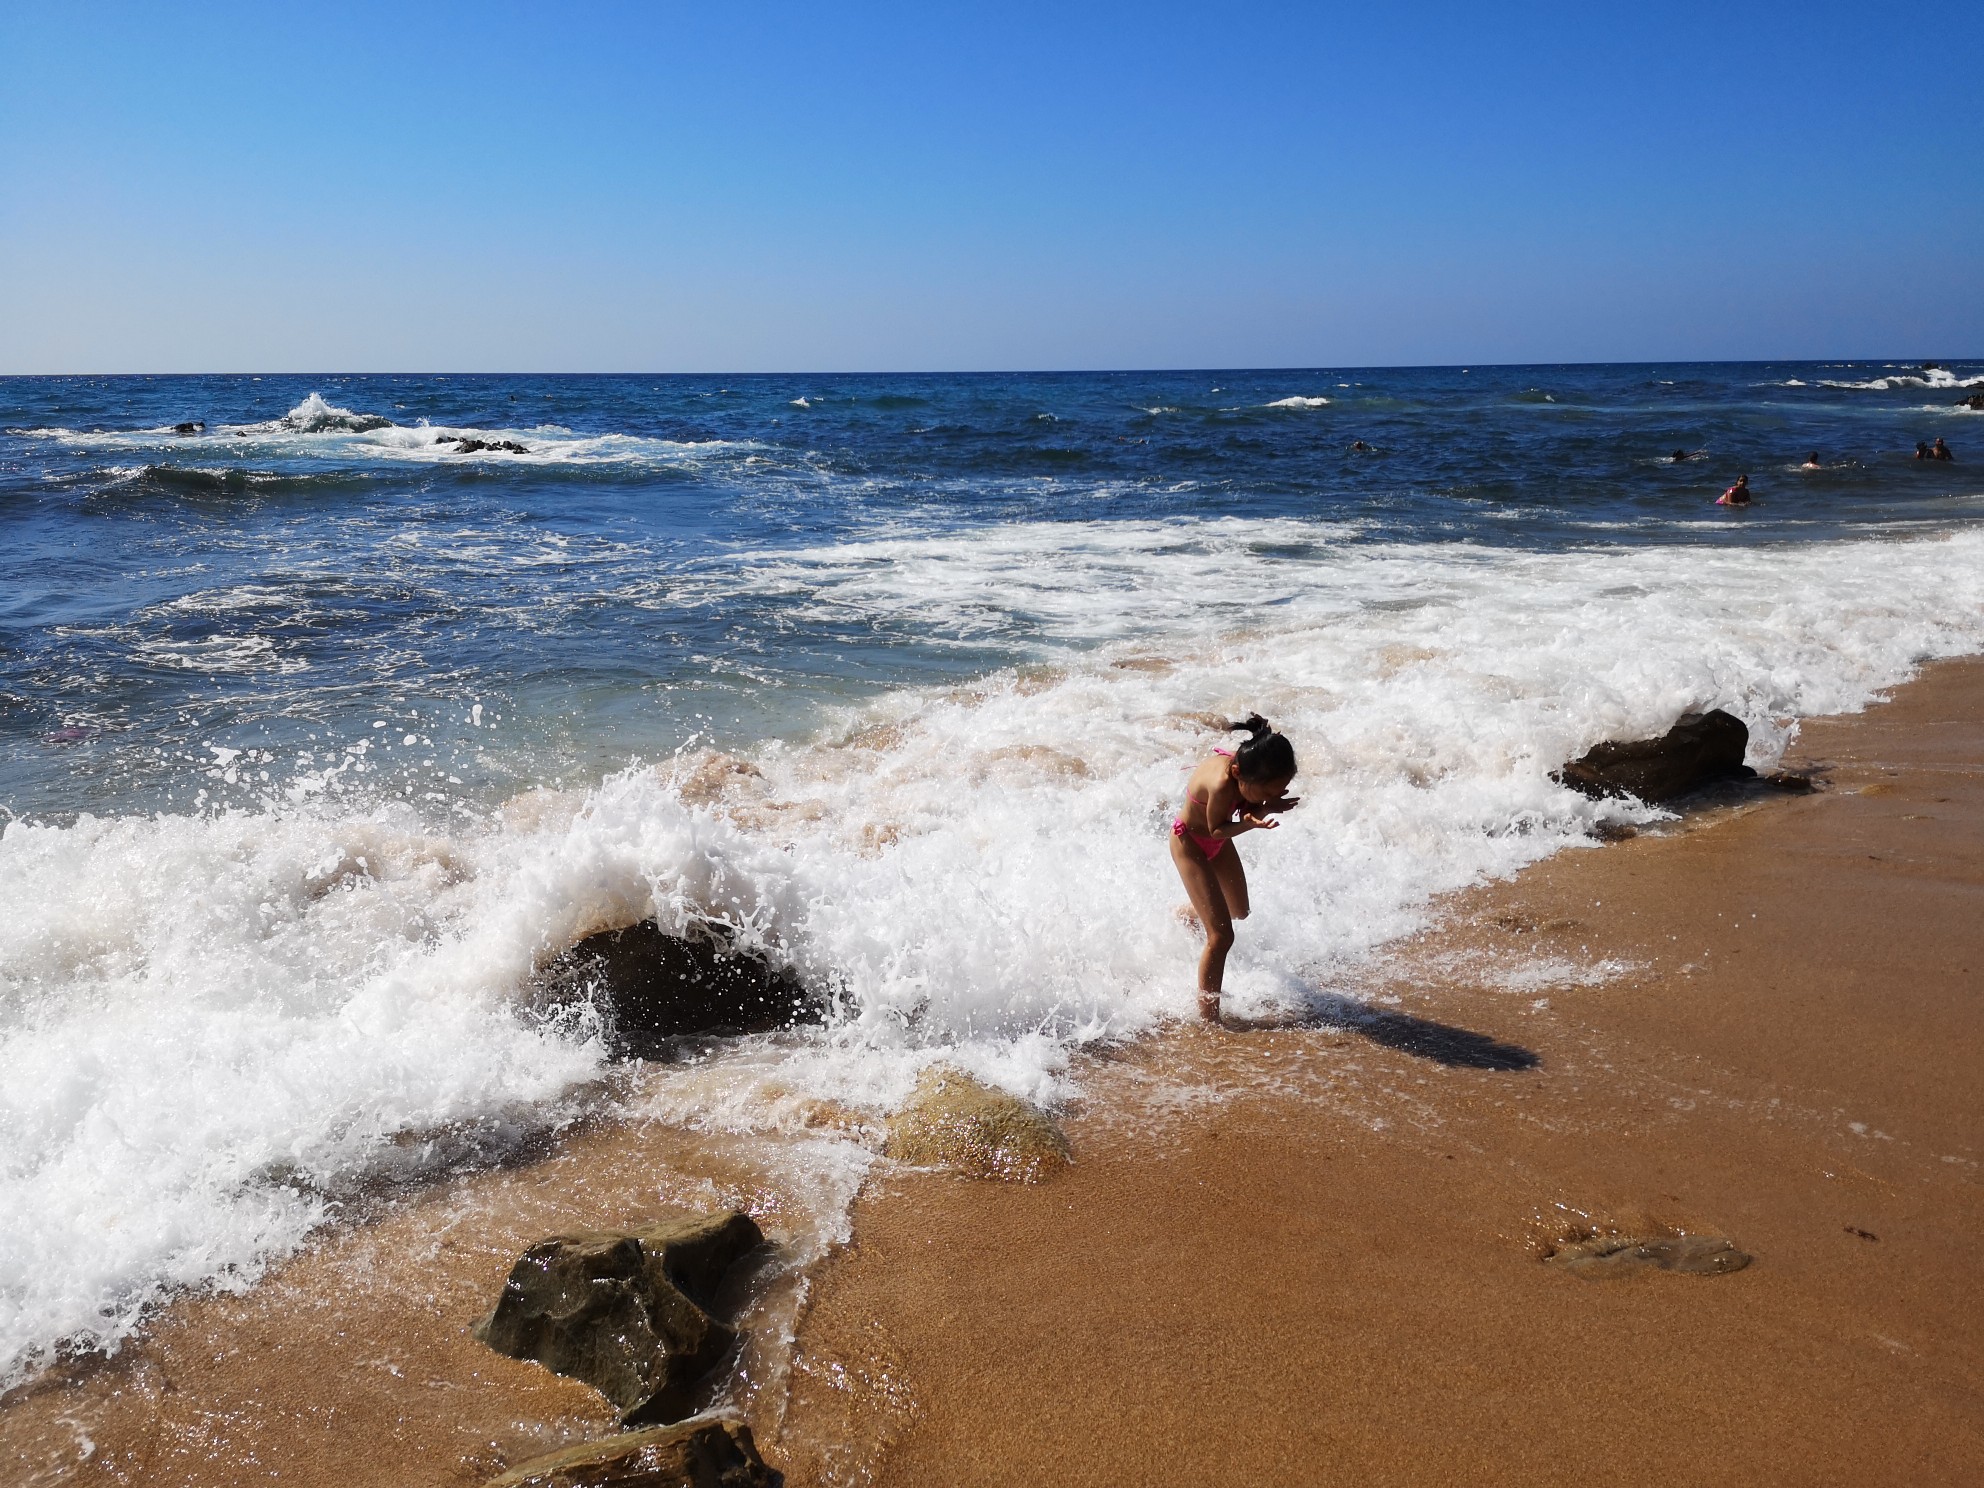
column 1312, row 1255
column 1299, row 1254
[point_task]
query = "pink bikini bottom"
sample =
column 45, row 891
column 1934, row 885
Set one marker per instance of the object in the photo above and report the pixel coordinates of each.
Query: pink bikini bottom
column 1210, row 846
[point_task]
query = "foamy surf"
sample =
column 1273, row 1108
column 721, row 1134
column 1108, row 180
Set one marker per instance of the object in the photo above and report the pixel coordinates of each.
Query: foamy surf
column 216, row 1027
column 319, row 431
column 1930, row 377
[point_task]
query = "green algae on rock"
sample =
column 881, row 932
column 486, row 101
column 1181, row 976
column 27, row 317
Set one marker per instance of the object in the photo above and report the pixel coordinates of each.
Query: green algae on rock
column 953, row 1121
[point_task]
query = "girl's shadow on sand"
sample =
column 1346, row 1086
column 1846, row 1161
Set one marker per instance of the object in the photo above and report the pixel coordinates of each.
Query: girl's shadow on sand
column 1458, row 1048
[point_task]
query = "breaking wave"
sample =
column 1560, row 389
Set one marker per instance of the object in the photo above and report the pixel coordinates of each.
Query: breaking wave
column 213, row 1026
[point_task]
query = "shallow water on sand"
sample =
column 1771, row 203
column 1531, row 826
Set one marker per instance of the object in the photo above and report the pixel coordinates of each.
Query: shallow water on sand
column 319, row 733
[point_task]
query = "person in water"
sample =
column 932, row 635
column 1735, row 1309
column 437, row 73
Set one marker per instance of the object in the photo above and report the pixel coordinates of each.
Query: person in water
column 1736, row 495
column 1941, row 451
column 1679, row 457
column 1228, row 794
column 1812, row 462
column 1922, row 450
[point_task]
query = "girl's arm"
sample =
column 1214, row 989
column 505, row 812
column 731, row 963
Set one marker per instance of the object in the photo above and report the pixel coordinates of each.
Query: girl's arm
column 1219, row 814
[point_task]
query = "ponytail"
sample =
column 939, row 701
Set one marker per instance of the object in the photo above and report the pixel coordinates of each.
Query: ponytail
column 1264, row 754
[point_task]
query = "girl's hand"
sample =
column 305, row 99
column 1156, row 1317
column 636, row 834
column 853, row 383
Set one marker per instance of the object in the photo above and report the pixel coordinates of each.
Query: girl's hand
column 1256, row 823
column 1281, row 803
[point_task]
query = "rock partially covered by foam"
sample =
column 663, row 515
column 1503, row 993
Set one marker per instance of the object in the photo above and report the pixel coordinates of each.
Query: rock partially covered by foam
column 628, row 1312
column 1975, row 400
column 315, row 416
column 652, row 986
column 1701, row 749
column 695, row 1454
column 467, row 446
column 953, row 1121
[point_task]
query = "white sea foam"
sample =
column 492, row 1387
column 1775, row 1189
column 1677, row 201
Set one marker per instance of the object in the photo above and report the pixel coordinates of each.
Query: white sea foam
column 1299, row 402
column 318, row 430
column 212, row 1027
column 1938, row 377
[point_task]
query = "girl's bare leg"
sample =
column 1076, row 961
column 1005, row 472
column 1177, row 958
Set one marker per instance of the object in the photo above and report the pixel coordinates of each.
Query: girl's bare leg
column 1209, row 902
column 1232, row 876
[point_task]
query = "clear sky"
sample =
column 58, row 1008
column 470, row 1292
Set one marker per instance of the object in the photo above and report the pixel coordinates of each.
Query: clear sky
column 731, row 187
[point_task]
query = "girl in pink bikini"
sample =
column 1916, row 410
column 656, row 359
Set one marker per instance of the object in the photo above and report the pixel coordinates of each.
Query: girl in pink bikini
column 1227, row 795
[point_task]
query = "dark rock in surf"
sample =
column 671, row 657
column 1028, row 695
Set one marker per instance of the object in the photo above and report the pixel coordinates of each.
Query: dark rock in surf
column 194, row 426
column 466, row 446
column 1975, row 400
column 652, row 987
column 628, row 1312
column 1700, row 750
column 696, row 1454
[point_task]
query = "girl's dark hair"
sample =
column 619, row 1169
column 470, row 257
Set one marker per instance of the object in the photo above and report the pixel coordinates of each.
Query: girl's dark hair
column 1266, row 755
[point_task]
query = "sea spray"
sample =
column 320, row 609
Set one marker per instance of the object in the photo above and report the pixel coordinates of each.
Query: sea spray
column 214, row 1022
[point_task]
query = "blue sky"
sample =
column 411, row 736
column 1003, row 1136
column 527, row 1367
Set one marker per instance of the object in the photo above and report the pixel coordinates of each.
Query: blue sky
column 654, row 187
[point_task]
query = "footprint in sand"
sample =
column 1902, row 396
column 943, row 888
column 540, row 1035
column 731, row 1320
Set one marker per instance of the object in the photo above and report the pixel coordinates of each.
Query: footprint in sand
column 1612, row 1255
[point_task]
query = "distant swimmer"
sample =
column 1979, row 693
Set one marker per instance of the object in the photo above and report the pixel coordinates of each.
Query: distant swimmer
column 1736, row 495
column 1941, row 451
column 1226, row 795
column 1922, row 450
column 1679, row 456
column 1360, row 445
column 1812, row 462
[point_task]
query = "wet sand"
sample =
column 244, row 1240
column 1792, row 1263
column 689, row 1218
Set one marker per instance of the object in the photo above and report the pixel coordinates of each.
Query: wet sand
column 1299, row 1254
column 1312, row 1255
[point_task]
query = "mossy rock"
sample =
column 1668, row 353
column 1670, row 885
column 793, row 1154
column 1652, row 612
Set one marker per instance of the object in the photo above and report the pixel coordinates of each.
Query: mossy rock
column 954, row 1122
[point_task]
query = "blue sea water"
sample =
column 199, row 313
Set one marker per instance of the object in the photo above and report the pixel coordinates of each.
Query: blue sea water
column 283, row 578
column 321, row 730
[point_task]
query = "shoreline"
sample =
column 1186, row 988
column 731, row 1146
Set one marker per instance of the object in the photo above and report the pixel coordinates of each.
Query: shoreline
column 1307, row 1249
column 1322, row 1262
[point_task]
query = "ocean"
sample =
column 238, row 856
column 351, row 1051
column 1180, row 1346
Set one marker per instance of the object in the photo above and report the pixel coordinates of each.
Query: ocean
column 321, row 728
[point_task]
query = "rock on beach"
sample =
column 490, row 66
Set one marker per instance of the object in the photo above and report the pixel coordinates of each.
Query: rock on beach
column 653, row 986
column 695, row 1454
column 1701, row 749
column 955, row 1122
column 627, row 1312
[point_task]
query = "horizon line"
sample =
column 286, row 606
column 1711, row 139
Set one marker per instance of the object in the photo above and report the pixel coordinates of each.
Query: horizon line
column 1922, row 363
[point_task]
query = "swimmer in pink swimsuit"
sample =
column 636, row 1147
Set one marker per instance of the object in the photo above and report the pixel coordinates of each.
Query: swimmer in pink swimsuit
column 1210, row 846
column 1228, row 794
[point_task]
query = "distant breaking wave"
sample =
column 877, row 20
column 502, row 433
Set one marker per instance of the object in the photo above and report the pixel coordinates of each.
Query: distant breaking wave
column 316, row 428
column 1934, row 377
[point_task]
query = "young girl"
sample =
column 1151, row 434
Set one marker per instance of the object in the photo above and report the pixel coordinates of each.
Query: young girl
column 1227, row 795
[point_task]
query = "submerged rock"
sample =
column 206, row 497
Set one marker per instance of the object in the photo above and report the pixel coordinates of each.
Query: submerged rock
column 1701, row 749
column 653, row 986
column 695, row 1454
column 953, row 1121
column 1609, row 1256
column 192, row 426
column 627, row 1312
